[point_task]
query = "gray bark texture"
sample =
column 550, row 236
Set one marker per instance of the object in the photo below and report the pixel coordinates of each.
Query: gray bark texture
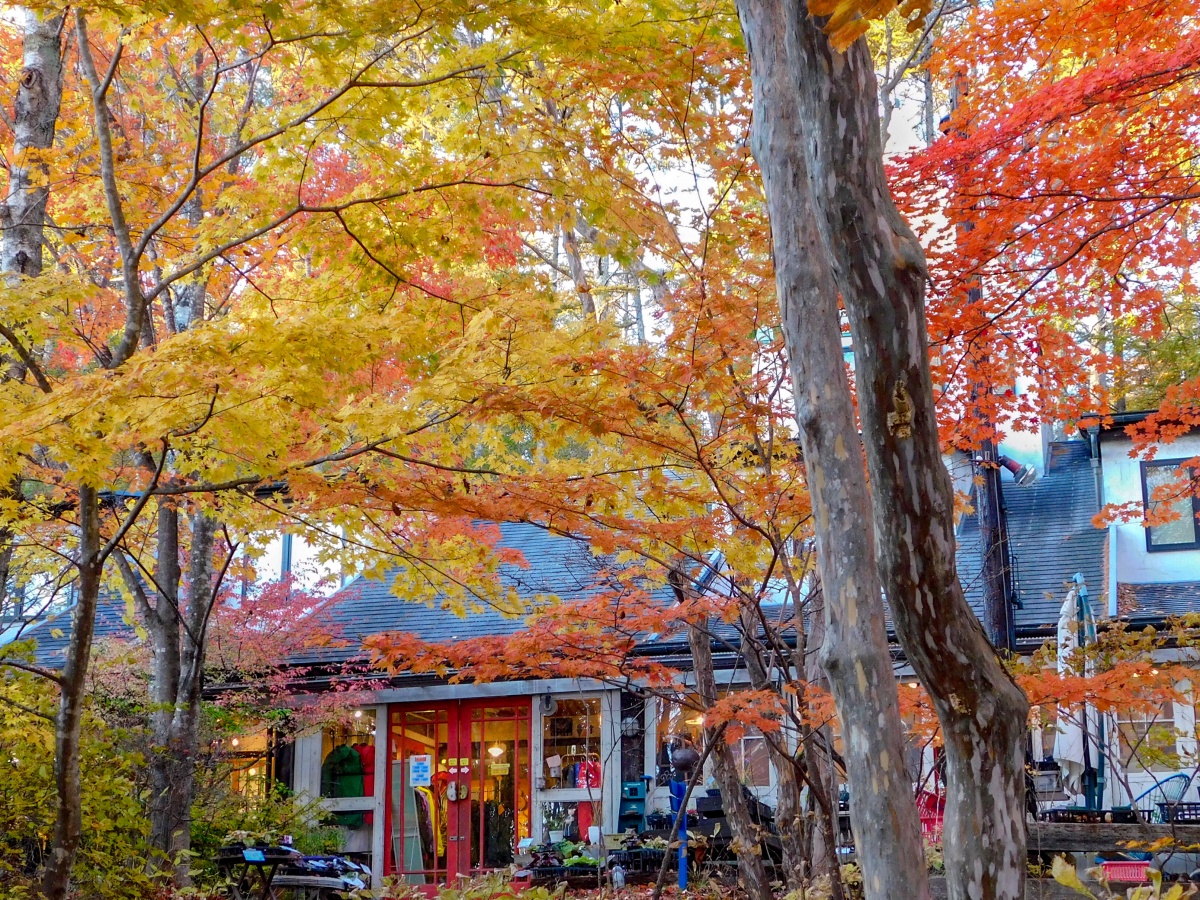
column 879, row 268
column 68, row 818
column 178, row 629
column 752, row 870
column 35, row 115
column 822, row 821
column 855, row 653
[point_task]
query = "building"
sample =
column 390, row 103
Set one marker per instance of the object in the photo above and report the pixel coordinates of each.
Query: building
column 430, row 778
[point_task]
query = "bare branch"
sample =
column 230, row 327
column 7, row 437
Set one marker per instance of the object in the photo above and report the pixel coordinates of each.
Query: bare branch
column 27, row 358
column 41, row 672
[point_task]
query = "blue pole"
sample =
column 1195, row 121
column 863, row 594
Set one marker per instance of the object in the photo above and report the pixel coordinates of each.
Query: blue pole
column 683, row 850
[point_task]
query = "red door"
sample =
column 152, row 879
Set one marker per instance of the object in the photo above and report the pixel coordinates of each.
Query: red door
column 459, row 788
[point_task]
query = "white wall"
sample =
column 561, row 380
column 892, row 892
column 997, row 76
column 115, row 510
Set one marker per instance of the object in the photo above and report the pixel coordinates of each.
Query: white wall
column 1123, row 483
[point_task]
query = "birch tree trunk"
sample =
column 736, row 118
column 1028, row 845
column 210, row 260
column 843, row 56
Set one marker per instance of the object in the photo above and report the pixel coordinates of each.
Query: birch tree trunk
column 35, row 117
column 879, row 269
column 855, row 653
column 747, row 840
column 68, row 814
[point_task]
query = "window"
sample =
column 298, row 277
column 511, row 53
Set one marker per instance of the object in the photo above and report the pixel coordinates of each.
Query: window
column 753, row 761
column 571, row 745
column 1165, row 498
column 348, row 763
column 1148, row 737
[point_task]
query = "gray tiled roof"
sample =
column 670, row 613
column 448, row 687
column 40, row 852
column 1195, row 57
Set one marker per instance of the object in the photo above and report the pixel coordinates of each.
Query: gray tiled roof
column 1161, row 599
column 53, row 633
column 559, row 566
column 1051, row 536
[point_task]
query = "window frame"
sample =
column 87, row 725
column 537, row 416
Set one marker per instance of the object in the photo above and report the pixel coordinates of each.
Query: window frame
column 1151, row 547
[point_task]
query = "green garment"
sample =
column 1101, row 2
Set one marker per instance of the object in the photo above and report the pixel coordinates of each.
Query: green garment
column 342, row 776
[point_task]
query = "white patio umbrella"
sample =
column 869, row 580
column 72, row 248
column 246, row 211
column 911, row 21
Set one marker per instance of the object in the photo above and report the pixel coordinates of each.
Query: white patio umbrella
column 1083, row 725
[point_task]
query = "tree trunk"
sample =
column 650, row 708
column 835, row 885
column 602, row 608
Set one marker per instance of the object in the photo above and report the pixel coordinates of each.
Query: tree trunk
column 185, row 725
column 163, row 626
column 39, row 94
column 855, row 652
column 818, row 744
column 746, row 837
column 68, row 816
column 880, row 270
column 788, row 808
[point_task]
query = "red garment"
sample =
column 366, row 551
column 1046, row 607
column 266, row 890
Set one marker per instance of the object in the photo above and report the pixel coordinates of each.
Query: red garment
column 589, row 774
column 367, row 754
column 584, row 815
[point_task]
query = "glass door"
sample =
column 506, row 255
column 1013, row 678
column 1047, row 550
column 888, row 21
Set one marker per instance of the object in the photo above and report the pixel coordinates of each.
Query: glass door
column 459, row 788
column 422, row 742
column 499, row 813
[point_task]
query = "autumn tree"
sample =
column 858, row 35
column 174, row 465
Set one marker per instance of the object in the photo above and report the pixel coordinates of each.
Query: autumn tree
column 170, row 339
column 826, row 189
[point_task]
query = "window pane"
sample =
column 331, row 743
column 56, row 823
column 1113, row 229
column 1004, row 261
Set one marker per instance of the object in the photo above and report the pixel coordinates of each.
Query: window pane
column 568, row 821
column 348, row 759
column 571, row 741
column 753, row 762
column 679, row 725
column 1182, row 529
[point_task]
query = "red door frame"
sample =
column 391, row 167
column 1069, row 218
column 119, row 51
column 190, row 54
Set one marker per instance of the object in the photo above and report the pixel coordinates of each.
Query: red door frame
column 460, row 829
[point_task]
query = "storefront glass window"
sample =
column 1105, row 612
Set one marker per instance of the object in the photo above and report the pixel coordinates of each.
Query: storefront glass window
column 348, row 763
column 571, row 745
column 249, row 758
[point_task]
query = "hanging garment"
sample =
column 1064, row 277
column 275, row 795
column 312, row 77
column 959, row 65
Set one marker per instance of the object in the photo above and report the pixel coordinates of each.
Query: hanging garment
column 585, row 816
column 366, row 753
column 342, row 776
column 589, row 774
column 425, row 823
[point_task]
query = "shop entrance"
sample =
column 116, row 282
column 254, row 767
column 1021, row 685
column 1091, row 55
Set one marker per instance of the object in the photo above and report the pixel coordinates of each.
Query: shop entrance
column 459, row 788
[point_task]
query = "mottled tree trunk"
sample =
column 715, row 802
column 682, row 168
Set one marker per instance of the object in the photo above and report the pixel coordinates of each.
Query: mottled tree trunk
column 879, row 268
column 855, row 653
column 818, row 755
column 163, row 626
column 747, row 840
column 68, row 814
column 178, row 633
column 35, row 117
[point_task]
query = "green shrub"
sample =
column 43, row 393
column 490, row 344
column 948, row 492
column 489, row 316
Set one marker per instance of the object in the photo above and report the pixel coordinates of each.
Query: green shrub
column 111, row 864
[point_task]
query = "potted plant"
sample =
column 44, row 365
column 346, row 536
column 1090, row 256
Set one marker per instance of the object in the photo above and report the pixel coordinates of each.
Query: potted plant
column 556, row 822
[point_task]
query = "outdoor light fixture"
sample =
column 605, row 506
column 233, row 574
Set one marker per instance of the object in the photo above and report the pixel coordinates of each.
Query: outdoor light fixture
column 236, row 742
column 699, row 720
column 496, row 752
column 912, row 684
column 358, row 714
column 1154, row 671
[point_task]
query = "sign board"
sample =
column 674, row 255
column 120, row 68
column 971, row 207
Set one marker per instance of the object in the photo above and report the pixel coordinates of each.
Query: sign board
column 420, row 770
column 498, row 769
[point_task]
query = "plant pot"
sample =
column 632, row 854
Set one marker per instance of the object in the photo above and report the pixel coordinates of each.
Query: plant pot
column 556, row 836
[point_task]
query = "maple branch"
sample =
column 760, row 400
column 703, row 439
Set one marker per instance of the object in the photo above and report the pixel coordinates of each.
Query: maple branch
column 135, row 586
column 33, row 670
column 355, row 81
column 26, row 709
column 27, row 358
column 138, row 506
column 135, row 303
column 919, row 48
column 330, row 209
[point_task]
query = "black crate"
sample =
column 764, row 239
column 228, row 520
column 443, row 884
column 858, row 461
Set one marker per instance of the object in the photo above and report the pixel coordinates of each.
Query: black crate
column 1180, row 812
column 551, row 874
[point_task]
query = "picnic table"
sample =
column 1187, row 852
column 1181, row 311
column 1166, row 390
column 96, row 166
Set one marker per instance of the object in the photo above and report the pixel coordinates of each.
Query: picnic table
column 251, row 870
column 265, row 873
